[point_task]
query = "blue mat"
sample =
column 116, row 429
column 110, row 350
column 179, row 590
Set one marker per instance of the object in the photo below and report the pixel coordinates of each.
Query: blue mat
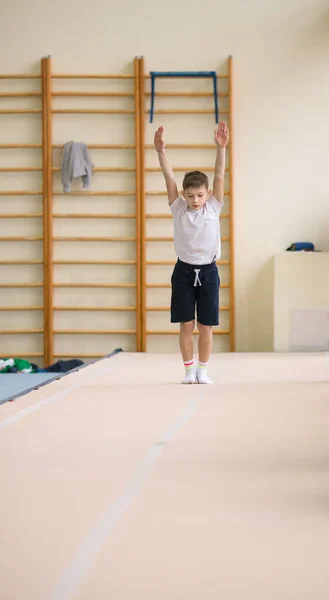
column 13, row 385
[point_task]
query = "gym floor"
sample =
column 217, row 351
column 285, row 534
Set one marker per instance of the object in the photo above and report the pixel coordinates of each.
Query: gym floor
column 118, row 482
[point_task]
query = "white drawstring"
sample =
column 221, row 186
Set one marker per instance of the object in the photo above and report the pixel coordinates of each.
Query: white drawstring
column 197, row 280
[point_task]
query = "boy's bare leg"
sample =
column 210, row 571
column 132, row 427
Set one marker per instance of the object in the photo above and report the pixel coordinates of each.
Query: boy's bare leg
column 205, row 347
column 186, row 348
column 186, row 340
column 205, row 342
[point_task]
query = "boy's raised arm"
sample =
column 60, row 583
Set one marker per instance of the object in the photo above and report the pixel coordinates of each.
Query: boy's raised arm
column 221, row 139
column 167, row 171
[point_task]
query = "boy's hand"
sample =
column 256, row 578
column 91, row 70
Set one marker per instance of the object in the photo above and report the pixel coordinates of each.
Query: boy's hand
column 159, row 144
column 221, row 135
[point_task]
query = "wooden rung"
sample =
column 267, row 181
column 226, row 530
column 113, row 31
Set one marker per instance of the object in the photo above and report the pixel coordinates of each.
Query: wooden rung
column 27, row 355
column 93, row 216
column 167, row 332
column 191, row 111
column 185, row 146
column 157, row 308
column 102, row 193
column 188, row 94
column 21, row 262
column 91, row 239
column 20, row 308
column 20, row 193
column 171, row 239
column 21, row 285
column 21, row 111
column 90, row 111
column 160, row 262
column 167, row 308
column 160, row 216
column 178, row 169
column 10, row 76
column 173, row 262
column 102, row 169
column 21, row 216
column 95, row 94
column 159, row 239
column 167, row 285
column 156, row 193
column 101, row 146
column 20, row 146
column 19, row 169
column 169, row 216
column 90, row 76
column 19, row 331
column 19, row 94
column 94, row 285
column 21, row 239
column 96, row 332
column 96, row 308
column 219, row 76
column 94, row 262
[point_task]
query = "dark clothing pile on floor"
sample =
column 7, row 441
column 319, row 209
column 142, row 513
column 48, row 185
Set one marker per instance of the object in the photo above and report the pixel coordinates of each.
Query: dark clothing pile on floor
column 19, row 365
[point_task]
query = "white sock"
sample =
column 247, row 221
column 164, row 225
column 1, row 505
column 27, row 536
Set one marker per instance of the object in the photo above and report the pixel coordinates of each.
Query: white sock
column 190, row 372
column 201, row 373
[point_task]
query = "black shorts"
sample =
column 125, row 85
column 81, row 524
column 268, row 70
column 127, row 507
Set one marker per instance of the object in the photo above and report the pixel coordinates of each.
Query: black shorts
column 195, row 286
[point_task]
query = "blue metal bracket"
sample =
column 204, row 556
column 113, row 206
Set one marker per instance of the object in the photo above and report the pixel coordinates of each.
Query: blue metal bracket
column 211, row 74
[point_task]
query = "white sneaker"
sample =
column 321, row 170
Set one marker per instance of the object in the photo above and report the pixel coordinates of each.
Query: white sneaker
column 190, row 376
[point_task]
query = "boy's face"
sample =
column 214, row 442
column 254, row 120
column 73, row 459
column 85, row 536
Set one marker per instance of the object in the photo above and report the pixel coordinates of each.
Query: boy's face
column 196, row 197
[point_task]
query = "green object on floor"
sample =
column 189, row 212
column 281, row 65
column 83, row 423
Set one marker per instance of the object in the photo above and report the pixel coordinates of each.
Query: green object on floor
column 21, row 365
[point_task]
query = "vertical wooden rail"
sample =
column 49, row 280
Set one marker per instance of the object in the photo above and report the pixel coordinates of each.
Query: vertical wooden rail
column 142, row 201
column 231, row 179
column 50, row 210
column 45, row 212
column 47, row 207
column 138, row 207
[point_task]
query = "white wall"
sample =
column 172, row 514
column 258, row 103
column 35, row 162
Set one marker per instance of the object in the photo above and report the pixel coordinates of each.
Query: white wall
column 281, row 117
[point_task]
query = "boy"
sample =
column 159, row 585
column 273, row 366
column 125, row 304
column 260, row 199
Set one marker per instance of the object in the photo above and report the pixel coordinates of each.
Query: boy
column 195, row 280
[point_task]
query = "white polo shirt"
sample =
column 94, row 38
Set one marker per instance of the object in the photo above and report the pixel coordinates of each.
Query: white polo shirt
column 197, row 232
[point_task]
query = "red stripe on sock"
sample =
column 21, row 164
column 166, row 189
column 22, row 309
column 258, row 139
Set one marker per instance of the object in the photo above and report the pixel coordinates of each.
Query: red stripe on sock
column 188, row 364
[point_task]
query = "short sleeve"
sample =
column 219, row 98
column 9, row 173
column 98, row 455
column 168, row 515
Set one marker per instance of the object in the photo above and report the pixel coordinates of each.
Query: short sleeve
column 177, row 205
column 214, row 205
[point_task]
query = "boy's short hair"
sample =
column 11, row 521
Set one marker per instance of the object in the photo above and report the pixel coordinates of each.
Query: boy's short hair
column 195, row 179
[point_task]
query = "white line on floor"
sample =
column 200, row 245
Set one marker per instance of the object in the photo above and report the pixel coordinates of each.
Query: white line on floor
column 72, row 577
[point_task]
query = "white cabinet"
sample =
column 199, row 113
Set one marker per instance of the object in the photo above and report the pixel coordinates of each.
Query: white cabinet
column 301, row 301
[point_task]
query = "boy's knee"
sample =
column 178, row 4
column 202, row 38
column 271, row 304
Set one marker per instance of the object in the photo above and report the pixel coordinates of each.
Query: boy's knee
column 187, row 328
column 204, row 329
